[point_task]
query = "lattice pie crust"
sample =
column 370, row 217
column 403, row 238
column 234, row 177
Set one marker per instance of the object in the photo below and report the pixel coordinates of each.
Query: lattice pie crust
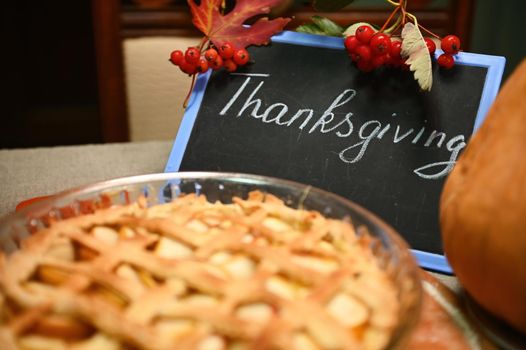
column 191, row 274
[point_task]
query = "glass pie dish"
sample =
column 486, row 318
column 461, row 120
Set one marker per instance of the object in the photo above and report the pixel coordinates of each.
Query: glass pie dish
column 389, row 251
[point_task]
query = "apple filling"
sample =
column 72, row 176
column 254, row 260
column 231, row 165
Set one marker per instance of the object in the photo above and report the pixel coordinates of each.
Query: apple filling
column 196, row 275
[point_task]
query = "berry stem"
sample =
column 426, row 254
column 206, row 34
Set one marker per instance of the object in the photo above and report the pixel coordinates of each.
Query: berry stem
column 413, row 17
column 395, row 25
column 202, row 44
column 403, row 4
column 395, row 11
column 204, row 41
column 185, row 103
column 428, row 31
column 400, row 20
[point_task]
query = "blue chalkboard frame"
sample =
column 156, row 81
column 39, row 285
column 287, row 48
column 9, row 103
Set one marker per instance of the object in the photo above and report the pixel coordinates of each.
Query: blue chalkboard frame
column 494, row 64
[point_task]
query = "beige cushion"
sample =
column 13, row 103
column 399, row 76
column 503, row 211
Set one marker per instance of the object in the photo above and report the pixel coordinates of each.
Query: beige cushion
column 155, row 88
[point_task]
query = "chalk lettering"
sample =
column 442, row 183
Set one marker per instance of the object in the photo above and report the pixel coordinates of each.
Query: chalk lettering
column 345, row 120
column 328, row 115
column 282, row 112
column 433, row 136
column 298, row 114
column 397, row 138
column 455, row 145
column 419, row 135
column 330, row 121
column 366, row 139
column 234, row 98
column 249, row 101
column 384, row 130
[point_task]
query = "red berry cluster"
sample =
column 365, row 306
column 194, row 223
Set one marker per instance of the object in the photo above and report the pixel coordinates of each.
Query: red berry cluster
column 371, row 50
column 194, row 61
column 451, row 46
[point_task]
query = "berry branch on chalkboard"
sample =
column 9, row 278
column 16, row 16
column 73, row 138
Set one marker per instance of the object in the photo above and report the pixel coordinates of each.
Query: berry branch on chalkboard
column 226, row 35
column 397, row 43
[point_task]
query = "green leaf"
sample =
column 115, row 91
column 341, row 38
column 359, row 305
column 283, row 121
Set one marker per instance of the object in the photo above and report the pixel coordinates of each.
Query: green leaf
column 327, row 26
column 310, row 28
column 331, row 5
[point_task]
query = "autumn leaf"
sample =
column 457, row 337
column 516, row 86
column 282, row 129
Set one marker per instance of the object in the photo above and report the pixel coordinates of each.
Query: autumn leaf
column 230, row 27
column 415, row 49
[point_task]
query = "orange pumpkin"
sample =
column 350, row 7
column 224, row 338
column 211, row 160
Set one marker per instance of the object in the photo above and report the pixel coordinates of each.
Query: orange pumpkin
column 483, row 208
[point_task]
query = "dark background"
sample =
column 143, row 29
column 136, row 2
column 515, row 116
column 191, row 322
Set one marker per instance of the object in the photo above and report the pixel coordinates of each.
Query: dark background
column 50, row 94
column 48, row 74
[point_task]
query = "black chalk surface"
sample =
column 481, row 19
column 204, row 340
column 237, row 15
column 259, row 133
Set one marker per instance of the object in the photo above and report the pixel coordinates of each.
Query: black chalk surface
column 307, row 114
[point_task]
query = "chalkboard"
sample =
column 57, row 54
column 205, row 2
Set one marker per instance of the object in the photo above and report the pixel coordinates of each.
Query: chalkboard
column 303, row 112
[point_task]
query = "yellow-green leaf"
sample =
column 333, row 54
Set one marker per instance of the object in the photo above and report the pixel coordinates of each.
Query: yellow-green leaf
column 310, row 28
column 414, row 48
column 327, row 26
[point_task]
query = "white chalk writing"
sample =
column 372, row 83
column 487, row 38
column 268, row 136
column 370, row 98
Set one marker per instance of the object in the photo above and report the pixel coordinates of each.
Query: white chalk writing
column 341, row 125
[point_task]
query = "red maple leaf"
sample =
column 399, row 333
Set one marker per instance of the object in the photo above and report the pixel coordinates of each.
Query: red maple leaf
column 220, row 28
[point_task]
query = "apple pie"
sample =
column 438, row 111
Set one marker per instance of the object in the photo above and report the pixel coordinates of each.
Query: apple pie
column 191, row 274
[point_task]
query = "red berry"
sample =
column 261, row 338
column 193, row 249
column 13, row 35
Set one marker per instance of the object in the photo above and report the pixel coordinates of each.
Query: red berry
column 431, row 46
column 211, row 54
column 202, row 65
column 192, row 55
column 446, row 61
column 364, row 53
column 364, row 34
column 187, row 67
column 396, row 49
column 354, row 57
column 226, row 50
column 176, row 57
column 381, row 60
column 230, row 65
column 365, row 66
column 351, row 43
column 380, row 43
column 241, row 57
column 450, row 44
column 217, row 63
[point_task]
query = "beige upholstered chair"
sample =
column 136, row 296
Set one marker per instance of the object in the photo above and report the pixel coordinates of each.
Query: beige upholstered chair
column 155, row 88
